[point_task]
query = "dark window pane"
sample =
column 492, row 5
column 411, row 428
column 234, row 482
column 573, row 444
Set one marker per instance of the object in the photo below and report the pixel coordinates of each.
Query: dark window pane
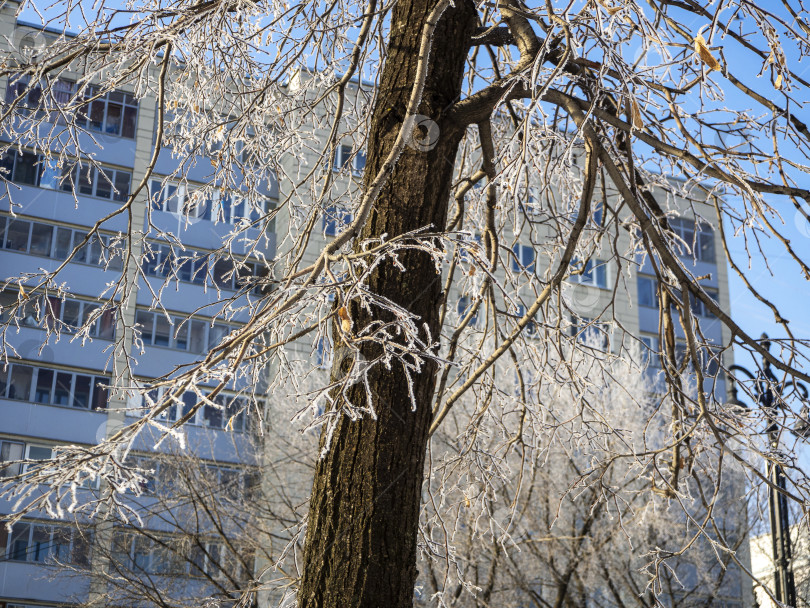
column 63, row 246
column 216, row 333
column 82, row 390
column 145, row 320
column 128, row 126
column 21, row 378
column 70, row 315
column 18, row 546
column 86, row 176
column 156, row 194
column 10, row 452
column 97, row 115
column 52, row 310
column 81, row 549
column 7, row 164
column 103, row 184
column 223, row 274
column 3, row 382
column 185, row 268
column 61, row 394
column 100, row 393
column 91, row 252
column 197, row 337
column 180, row 338
column 163, row 331
column 69, row 177
column 106, row 325
column 40, row 543
column 44, row 387
column 60, row 545
column 87, row 312
column 113, row 125
column 25, row 169
column 17, row 235
column 200, row 270
column 121, row 185
column 41, row 237
column 212, row 416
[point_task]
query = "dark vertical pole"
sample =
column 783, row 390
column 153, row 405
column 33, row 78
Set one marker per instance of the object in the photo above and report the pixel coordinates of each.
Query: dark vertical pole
column 780, row 538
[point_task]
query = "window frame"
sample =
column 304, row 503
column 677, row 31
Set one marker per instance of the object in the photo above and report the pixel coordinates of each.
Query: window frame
column 128, row 101
column 95, row 395
column 651, row 286
column 594, row 273
column 345, row 154
column 52, row 530
column 519, row 258
column 335, row 219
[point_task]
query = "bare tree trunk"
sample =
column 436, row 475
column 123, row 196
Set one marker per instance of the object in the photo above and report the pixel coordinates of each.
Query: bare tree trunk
column 364, row 510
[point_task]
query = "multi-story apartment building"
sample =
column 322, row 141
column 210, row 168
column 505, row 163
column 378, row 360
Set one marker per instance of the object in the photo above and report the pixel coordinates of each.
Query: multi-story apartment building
column 53, row 391
column 54, row 394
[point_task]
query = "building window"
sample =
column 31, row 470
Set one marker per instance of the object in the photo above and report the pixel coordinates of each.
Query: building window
column 523, row 258
column 193, row 266
column 226, row 207
column 699, row 309
column 179, row 333
column 647, row 291
column 531, row 327
column 35, row 170
column 699, row 238
column 464, row 306
column 101, row 182
column 30, row 97
column 113, row 112
column 345, row 155
column 53, row 387
column 11, row 452
column 335, row 219
column 47, row 543
column 590, row 331
column 64, row 315
column 226, row 411
column 650, row 351
column 591, row 272
column 323, row 353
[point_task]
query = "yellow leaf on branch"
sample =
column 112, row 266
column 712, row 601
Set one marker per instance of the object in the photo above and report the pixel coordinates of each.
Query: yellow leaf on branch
column 345, row 320
column 702, row 51
column 778, row 82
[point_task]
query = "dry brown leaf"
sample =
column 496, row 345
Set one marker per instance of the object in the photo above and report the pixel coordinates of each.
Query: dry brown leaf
column 345, row 320
column 702, row 50
column 778, row 82
column 636, row 112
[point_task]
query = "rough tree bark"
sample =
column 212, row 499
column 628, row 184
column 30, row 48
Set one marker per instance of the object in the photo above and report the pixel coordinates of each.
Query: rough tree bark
column 364, row 511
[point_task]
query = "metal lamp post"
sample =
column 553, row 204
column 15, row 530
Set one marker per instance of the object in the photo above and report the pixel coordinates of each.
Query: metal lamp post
column 766, row 382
